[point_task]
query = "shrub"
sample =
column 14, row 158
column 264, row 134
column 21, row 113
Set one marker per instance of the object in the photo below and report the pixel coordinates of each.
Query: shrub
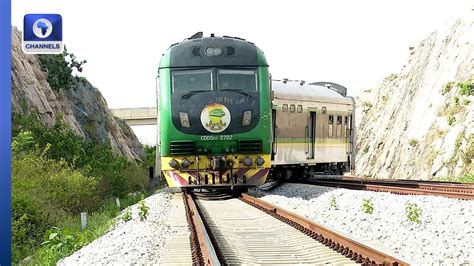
column 115, row 174
column 468, row 178
column 451, row 119
column 413, row 142
column 28, row 222
column 150, row 152
column 458, row 141
column 56, row 175
column 466, row 88
column 60, row 70
column 391, row 77
column 367, row 104
column 365, row 150
column 367, row 206
column 143, row 212
column 447, row 87
column 56, row 241
column 413, row 212
column 468, row 155
column 456, row 101
column 43, row 191
column 127, row 215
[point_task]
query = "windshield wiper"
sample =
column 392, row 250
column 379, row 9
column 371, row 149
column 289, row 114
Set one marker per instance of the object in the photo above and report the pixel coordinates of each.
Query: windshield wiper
column 191, row 93
column 241, row 91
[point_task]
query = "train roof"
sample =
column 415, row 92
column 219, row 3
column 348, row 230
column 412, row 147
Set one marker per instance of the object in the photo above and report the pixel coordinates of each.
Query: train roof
column 318, row 91
column 231, row 51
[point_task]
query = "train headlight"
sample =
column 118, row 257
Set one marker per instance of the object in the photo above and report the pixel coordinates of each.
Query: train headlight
column 184, row 119
column 247, row 161
column 185, row 163
column 247, row 118
column 173, row 163
column 213, row 51
column 259, row 161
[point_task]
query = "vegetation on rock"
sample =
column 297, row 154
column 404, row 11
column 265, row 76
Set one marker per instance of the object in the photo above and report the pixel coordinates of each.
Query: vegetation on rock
column 59, row 68
column 466, row 88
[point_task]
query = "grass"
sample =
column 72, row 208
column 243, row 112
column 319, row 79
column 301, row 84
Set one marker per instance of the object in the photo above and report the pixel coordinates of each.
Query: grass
column 70, row 235
column 468, row 178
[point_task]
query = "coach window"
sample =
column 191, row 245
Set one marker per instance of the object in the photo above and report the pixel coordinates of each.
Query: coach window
column 299, row 108
column 331, row 122
column 339, row 126
column 292, row 108
column 284, row 108
column 345, row 127
column 185, row 81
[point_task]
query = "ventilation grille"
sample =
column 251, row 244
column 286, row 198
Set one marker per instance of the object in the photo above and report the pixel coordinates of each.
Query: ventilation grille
column 182, row 147
column 250, row 145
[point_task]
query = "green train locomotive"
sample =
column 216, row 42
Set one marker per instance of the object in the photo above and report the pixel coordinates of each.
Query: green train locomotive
column 214, row 114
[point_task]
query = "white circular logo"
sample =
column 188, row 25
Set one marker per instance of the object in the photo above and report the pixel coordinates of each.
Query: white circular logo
column 42, row 28
column 215, row 117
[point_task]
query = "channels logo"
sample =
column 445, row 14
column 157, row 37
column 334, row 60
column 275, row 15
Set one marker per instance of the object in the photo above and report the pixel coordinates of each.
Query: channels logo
column 43, row 34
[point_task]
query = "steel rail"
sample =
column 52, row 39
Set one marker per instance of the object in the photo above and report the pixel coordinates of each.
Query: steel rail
column 348, row 247
column 458, row 191
column 202, row 249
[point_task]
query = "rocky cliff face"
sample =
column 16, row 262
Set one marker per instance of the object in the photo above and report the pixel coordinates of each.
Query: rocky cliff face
column 83, row 108
column 419, row 123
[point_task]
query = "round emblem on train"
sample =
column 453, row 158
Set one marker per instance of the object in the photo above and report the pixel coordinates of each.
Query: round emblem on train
column 215, row 117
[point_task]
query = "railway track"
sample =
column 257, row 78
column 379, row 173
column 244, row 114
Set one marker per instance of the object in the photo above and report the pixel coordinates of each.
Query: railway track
column 402, row 187
column 247, row 230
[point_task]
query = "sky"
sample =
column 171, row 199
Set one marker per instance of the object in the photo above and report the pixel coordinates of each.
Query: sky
column 353, row 43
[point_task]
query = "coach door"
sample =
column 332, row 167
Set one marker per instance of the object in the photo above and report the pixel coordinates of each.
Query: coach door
column 311, row 134
column 348, row 127
column 274, row 135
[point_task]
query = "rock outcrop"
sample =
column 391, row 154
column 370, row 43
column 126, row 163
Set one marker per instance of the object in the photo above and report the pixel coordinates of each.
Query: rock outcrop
column 419, row 124
column 83, row 107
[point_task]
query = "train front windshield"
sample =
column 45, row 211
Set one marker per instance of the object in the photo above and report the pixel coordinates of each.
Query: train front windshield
column 185, row 81
column 230, row 79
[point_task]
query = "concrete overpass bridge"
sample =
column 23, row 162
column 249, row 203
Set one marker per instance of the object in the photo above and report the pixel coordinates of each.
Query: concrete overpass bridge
column 137, row 116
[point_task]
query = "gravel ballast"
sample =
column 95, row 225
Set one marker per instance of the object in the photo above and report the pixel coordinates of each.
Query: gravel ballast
column 131, row 242
column 444, row 236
